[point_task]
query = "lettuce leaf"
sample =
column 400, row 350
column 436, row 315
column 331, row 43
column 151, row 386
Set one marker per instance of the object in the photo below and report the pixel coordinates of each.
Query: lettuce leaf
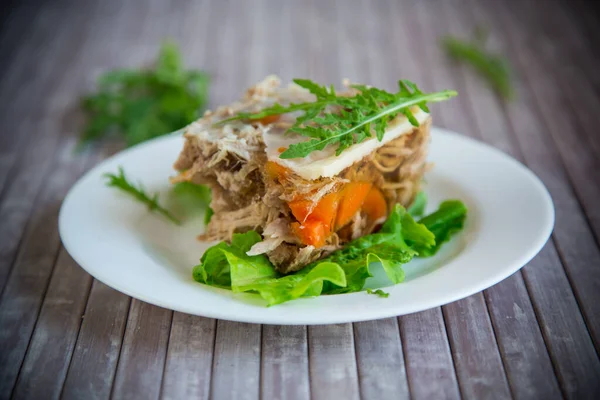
column 392, row 246
column 417, row 208
column 443, row 223
column 228, row 266
column 279, row 290
column 225, row 265
column 344, row 271
column 191, row 199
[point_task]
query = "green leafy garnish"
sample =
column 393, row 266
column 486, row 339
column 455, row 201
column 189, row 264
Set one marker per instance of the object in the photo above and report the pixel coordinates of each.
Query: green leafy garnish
column 229, row 266
column 443, row 223
column 344, row 121
column 344, row 271
column 394, row 245
column 379, row 293
column 143, row 104
column 192, row 198
column 120, row 182
column 417, row 208
column 495, row 68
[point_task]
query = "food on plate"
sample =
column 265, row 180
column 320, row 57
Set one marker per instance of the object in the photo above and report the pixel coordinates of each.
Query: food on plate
column 308, row 181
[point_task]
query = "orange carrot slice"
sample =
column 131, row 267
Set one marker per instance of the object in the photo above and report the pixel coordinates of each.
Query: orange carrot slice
column 325, row 211
column 352, row 197
column 276, row 170
column 311, row 232
column 375, row 205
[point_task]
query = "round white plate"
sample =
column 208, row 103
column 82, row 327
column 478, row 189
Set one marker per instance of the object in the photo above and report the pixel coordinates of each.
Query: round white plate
column 142, row 254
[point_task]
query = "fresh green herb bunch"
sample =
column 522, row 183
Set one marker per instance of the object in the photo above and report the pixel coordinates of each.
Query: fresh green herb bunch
column 347, row 120
column 493, row 67
column 143, row 104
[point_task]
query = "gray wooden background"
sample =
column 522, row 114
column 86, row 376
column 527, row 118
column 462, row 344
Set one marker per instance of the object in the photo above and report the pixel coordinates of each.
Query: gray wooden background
column 535, row 335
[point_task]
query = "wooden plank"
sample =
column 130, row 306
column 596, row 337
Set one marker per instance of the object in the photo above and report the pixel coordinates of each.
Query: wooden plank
column 101, row 333
column 429, row 365
column 100, row 339
column 474, row 350
column 472, row 340
column 188, row 365
column 379, row 359
column 189, row 358
column 284, row 363
column 236, row 365
column 421, row 362
column 20, row 302
column 570, row 346
column 567, row 26
column 323, row 32
column 142, row 359
column 51, row 346
column 39, row 246
column 580, row 149
column 524, row 354
column 562, row 318
column 332, row 362
column 26, row 82
column 574, row 239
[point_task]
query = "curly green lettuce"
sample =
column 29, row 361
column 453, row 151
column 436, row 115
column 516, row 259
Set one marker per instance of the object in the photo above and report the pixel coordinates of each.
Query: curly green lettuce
column 344, row 271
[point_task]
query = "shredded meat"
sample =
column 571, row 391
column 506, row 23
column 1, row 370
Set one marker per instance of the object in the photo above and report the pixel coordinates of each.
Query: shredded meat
column 245, row 197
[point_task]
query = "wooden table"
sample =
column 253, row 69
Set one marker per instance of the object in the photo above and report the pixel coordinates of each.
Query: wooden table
column 535, row 335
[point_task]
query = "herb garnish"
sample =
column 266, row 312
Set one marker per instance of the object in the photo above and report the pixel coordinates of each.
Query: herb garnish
column 344, row 121
column 143, row 104
column 379, row 293
column 120, row 181
column 493, row 67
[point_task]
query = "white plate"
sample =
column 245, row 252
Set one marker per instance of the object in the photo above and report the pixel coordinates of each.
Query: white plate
column 145, row 256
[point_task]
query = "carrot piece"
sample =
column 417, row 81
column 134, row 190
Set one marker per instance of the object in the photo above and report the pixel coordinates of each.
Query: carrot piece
column 276, row 170
column 352, row 197
column 269, row 119
column 311, row 232
column 375, row 205
column 300, row 209
column 324, row 211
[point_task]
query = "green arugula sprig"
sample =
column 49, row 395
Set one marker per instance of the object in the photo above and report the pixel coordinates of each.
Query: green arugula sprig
column 143, row 104
column 344, row 121
column 120, row 181
column 493, row 67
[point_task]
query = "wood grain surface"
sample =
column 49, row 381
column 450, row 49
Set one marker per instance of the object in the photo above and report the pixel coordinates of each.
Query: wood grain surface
column 535, row 335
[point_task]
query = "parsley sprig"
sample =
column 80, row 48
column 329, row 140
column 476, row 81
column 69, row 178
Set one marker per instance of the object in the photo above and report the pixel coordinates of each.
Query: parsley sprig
column 143, row 104
column 120, row 181
column 493, row 67
column 344, row 121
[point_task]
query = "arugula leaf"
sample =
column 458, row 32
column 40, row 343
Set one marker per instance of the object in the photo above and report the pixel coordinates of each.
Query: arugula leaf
column 493, row 67
column 443, row 223
column 379, row 293
column 120, row 182
column 143, row 104
column 417, row 208
column 353, row 119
